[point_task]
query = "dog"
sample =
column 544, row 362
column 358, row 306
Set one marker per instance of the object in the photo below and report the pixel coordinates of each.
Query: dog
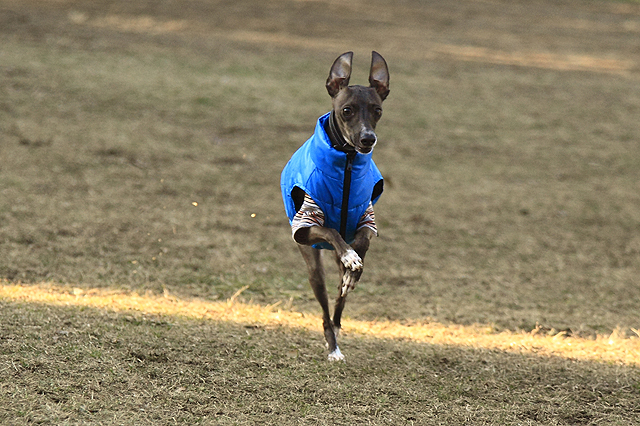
column 330, row 184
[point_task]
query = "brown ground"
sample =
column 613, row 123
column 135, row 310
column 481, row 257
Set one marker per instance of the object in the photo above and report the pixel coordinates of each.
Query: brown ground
column 509, row 145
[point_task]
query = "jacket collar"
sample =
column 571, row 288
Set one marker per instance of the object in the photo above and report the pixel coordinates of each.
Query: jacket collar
column 338, row 141
column 329, row 159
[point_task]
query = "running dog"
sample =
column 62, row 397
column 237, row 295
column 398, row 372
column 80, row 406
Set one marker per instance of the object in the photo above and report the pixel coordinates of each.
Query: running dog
column 330, row 184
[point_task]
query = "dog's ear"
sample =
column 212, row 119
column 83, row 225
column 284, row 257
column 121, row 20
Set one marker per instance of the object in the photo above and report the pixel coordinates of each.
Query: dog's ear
column 339, row 74
column 379, row 75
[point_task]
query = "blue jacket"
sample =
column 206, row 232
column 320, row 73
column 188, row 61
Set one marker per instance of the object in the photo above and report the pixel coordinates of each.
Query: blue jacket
column 324, row 173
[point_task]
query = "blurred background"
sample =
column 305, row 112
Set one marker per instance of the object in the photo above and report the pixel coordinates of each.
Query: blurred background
column 141, row 145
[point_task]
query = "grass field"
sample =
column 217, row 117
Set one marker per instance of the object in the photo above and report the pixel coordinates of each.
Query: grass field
column 147, row 270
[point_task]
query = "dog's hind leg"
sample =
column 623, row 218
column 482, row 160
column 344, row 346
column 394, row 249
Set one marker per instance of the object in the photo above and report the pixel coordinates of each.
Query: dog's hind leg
column 315, row 268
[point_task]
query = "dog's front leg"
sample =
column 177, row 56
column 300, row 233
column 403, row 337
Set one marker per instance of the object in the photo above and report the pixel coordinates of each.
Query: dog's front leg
column 348, row 256
column 350, row 276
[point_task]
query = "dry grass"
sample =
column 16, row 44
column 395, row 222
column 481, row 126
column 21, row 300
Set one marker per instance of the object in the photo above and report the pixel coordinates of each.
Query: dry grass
column 140, row 151
column 90, row 357
column 612, row 348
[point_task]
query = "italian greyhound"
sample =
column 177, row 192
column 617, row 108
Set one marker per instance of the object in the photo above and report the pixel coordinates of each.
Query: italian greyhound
column 334, row 173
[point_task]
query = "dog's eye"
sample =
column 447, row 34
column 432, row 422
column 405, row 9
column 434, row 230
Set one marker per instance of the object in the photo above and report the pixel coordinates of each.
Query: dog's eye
column 347, row 111
column 377, row 112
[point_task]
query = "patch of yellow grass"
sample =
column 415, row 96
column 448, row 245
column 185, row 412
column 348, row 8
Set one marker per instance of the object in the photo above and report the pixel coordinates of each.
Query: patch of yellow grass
column 537, row 59
column 611, row 349
column 547, row 60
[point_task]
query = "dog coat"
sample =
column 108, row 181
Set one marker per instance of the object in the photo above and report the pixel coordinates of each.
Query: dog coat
column 342, row 184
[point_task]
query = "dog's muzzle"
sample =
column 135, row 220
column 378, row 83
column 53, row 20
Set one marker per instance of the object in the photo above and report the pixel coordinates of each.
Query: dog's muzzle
column 367, row 142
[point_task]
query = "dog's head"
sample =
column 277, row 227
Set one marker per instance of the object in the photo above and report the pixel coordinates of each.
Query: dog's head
column 357, row 109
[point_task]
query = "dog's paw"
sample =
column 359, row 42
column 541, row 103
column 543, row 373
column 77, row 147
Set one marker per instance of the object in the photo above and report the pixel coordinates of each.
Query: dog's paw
column 336, row 356
column 351, row 260
column 349, row 280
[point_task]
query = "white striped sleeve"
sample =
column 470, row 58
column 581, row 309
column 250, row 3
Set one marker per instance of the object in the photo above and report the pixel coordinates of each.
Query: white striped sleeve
column 308, row 215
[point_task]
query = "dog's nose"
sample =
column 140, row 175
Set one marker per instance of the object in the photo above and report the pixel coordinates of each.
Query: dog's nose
column 368, row 140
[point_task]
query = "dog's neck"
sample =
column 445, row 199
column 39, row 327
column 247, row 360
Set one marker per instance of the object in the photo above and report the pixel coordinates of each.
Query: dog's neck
column 335, row 135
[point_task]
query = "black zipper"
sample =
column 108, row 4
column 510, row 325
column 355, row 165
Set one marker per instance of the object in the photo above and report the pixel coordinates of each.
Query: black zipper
column 346, row 189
